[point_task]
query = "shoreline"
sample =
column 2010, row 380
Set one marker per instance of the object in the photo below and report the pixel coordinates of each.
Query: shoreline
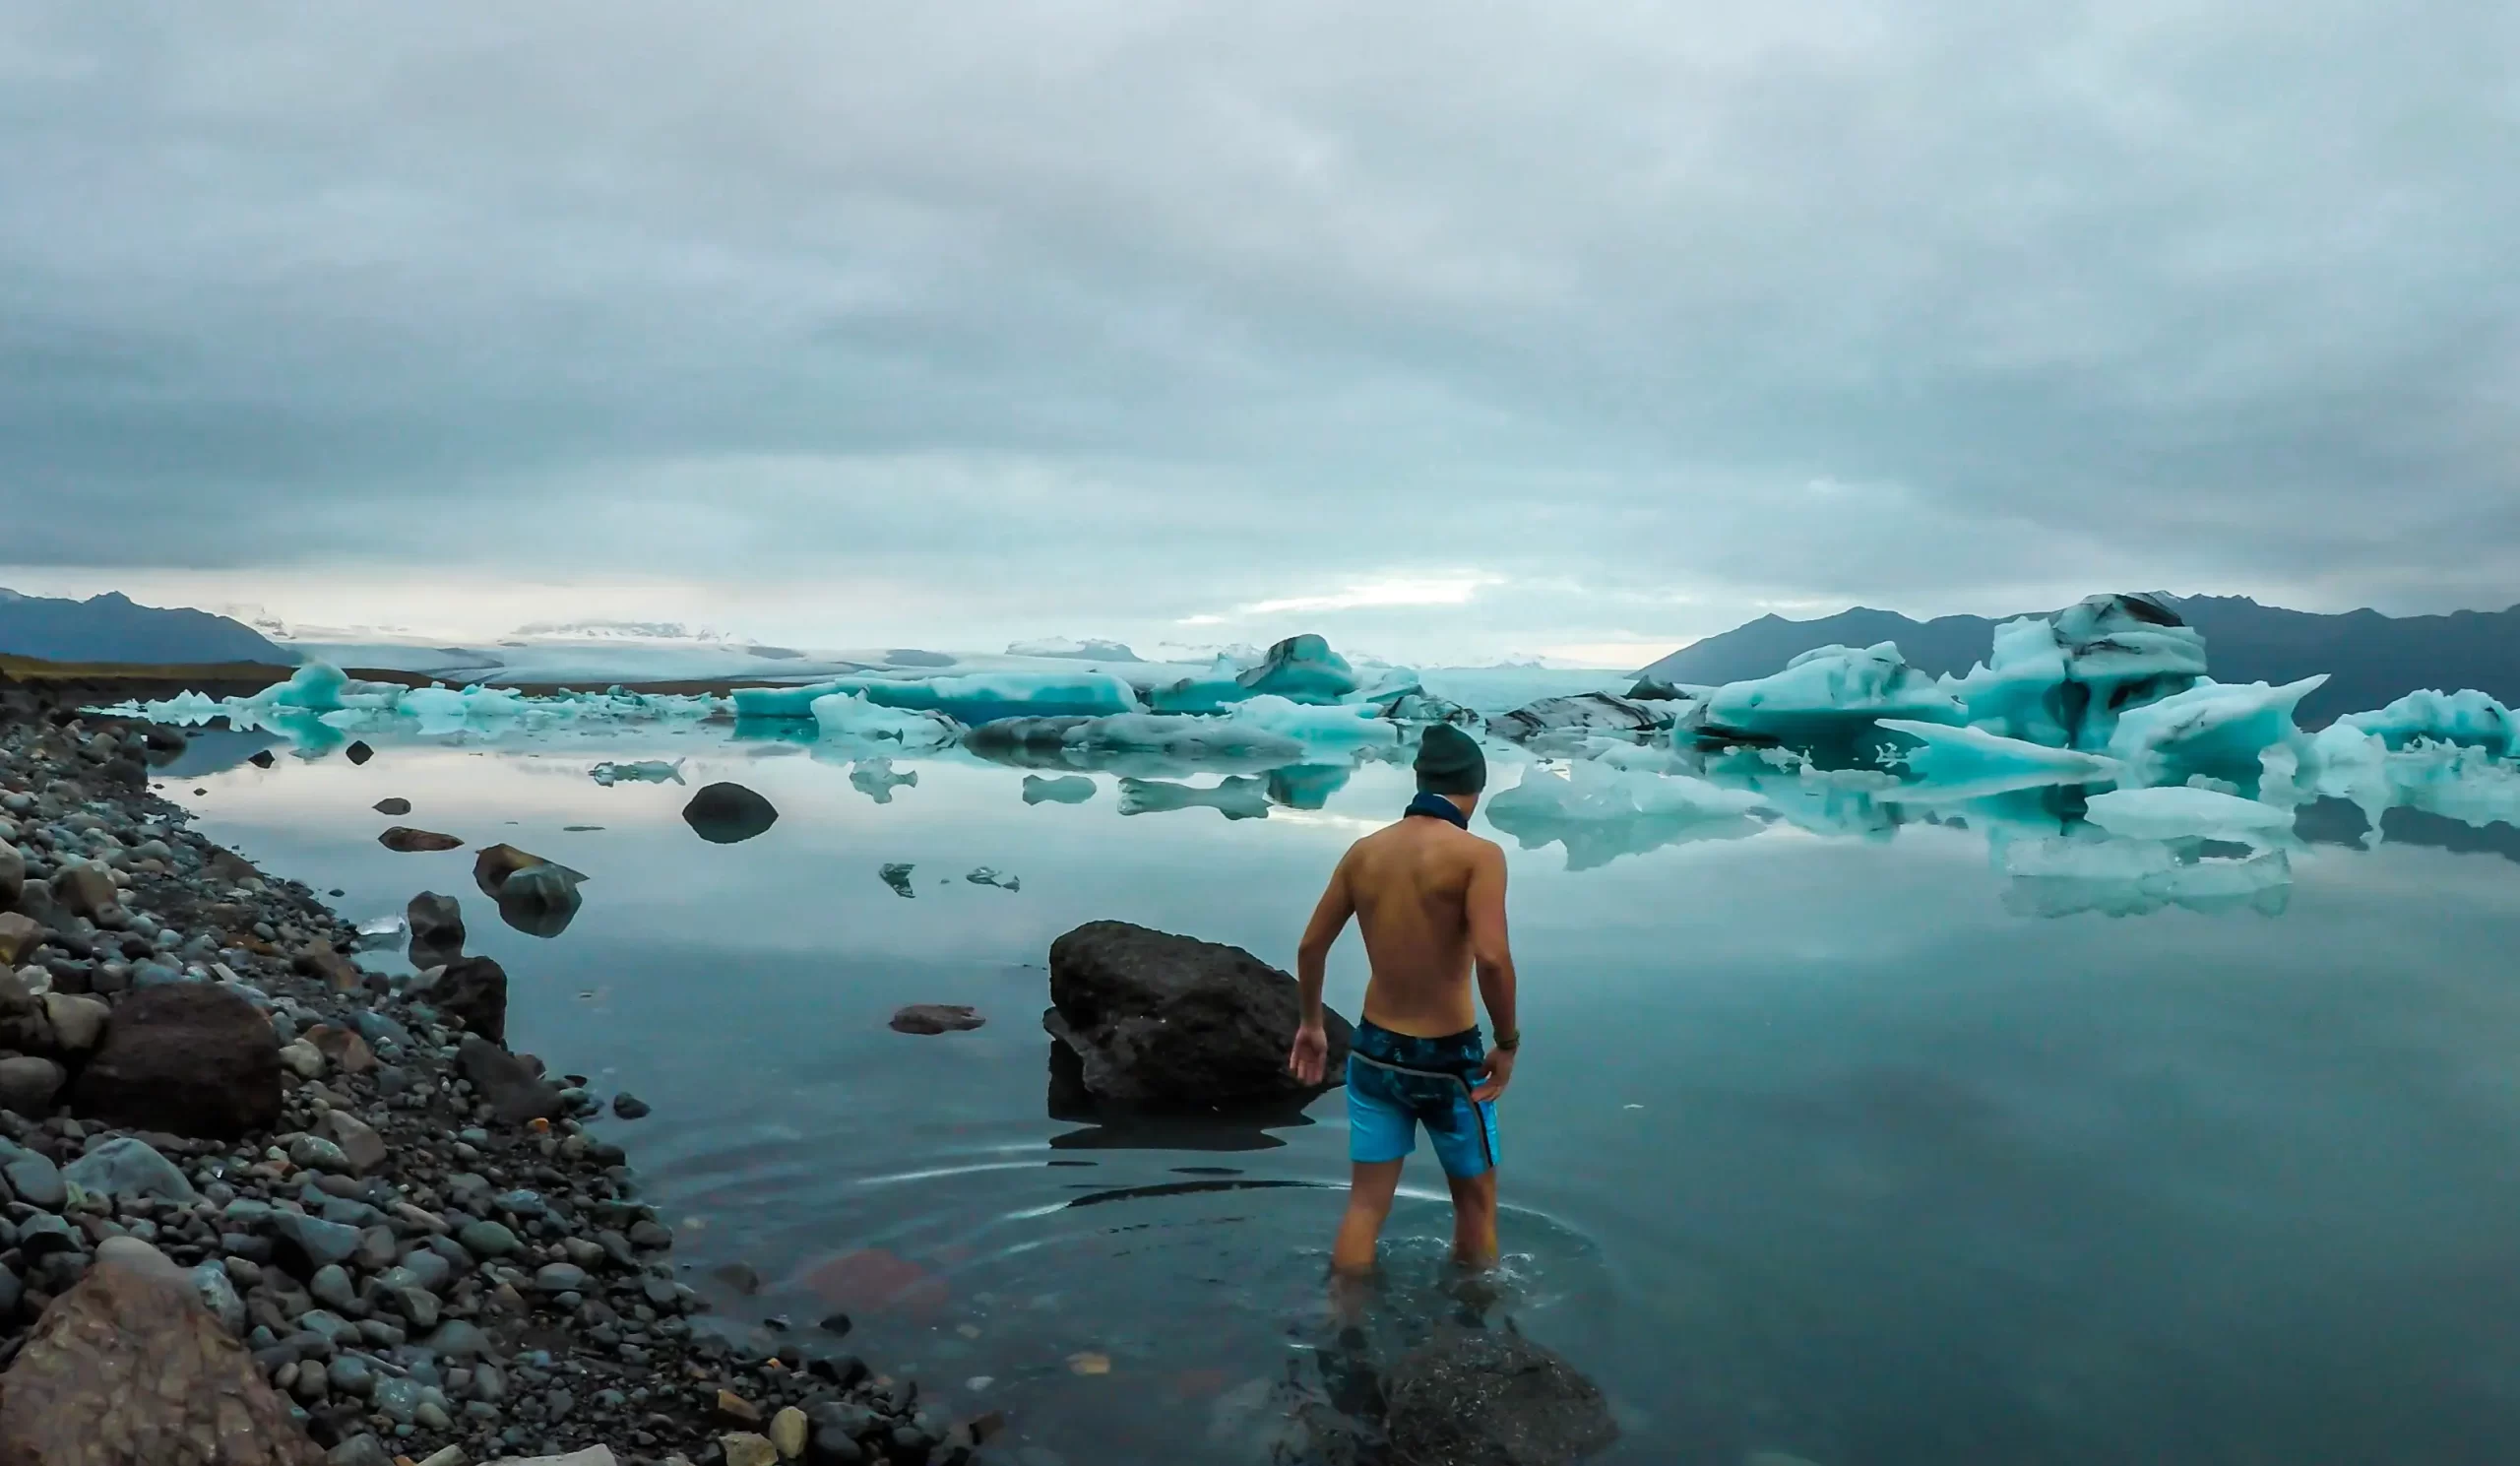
column 426, row 1275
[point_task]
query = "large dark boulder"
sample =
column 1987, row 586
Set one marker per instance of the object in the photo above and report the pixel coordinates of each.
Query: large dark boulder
column 511, row 1084
column 1472, row 1397
column 728, row 814
column 188, row 1058
column 437, row 929
column 475, row 990
column 128, row 1368
column 1160, row 1019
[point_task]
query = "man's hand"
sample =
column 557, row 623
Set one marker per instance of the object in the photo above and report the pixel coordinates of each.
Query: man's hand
column 1494, row 1074
column 1310, row 1054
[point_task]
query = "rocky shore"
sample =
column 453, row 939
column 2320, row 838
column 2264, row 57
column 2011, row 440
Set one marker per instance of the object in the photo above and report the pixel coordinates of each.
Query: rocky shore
column 403, row 1241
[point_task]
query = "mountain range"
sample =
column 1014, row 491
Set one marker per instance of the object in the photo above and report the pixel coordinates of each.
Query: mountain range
column 2370, row 659
column 112, row 627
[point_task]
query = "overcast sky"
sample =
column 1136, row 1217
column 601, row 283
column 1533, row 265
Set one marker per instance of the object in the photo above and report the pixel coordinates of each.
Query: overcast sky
column 1450, row 329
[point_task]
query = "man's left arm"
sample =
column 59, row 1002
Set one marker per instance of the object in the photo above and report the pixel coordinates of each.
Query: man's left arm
column 1493, row 957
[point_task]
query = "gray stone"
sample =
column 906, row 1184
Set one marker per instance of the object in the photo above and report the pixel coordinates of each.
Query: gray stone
column 129, row 1166
column 349, row 1374
column 356, row 1140
column 1486, row 1398
column 317, row 1152
column 457, row 1339
column 331, row 1287
column 32, row 1176
column 359, row 1450
column 486, row 1239
column 306, row 1244
column 561, row 1277
column 419, row 1305
column 29, row 1085
column 1165, row 1020
column 78, row 1020
column 219, row 1295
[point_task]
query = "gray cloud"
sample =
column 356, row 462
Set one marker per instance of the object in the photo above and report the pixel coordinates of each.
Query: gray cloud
column 1106, row 315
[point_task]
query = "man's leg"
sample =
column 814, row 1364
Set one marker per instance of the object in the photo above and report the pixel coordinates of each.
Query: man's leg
column 1473, row 1218
column 1370, row 1187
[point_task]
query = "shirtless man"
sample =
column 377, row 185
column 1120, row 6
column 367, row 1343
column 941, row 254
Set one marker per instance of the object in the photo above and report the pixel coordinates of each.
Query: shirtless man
column 1430, row 897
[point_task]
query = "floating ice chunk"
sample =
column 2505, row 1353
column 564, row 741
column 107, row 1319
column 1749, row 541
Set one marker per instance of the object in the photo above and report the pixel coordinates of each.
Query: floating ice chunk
column 2065, row 876
column 896, row 874
column 1984, row 763
column 2177, row 812
column 1304, row 668
column 874, row 778
column 1091, row 649
column 986, row 876
column 2064, row 680
column 1338, row 726
column 979, row 697
column 315, row 686
column 1832, row 689
column 1585, row 712
column 1599, row 812
column 648, row 770
column 2468, row 718
column 2213, row 725
column 855, row 716
column 2461, row 784
column 1235, row 797
column 1300, row 668
column 1186, row 738
column 1067, row 789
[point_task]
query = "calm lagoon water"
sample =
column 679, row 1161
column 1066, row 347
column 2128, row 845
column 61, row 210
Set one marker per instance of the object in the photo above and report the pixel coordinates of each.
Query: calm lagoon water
column 1825, row 1146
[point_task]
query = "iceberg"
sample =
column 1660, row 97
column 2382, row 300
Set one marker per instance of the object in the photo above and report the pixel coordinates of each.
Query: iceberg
column 1235, row 797
column 1586, row 713
column 855, row 716
column 974, row 698
column 651, row 771
column 2467, row 718
column 444, row 710
column 1091, row 649
column 1300, row 668
column 2213, row 725
column 874, row 778
column 1980, row 762
column 2065, row 876
column 1599, row 812
column 1830, row 690
column 2064, row 680
column 2178, row 811
column 316, row 686
column 1336, row 725
column 1191, row 739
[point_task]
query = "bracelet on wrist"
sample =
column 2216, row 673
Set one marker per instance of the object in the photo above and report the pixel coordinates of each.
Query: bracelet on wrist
column 1509, row 1041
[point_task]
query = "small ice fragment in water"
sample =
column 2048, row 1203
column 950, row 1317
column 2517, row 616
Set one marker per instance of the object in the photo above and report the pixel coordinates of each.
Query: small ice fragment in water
column 1069, row 789
column 651, row 771
column 874, row 778
column 2176, row 811
column 988, row 875
column 380, row 931
column 898, row 877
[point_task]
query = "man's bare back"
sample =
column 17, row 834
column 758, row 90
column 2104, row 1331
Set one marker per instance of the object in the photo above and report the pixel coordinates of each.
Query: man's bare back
column 1431, row 898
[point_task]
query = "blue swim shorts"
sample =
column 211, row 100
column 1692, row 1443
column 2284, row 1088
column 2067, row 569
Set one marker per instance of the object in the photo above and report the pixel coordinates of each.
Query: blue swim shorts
column 1397, row 1082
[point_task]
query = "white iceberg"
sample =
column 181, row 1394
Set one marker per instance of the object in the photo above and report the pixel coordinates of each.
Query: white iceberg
column 2180, row 812
column 1831, row 689
column 1300, row 668
column 1599, row 812
column 1983, row 762
column 1336, row 725
column 2065, row 681
column 2468, row 718
column 1068, row 648
column 2065, row 875
column 2213, row 725
column 853, row 716
column 970, row 699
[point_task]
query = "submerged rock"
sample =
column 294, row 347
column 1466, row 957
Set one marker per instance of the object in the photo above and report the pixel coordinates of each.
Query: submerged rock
column 728, row 814
column 437, row 929
column 936, row 1018
column 1171, row 1020
column 1470, row 1397
column 129, row 1368
column 188, row 1058
column 409, row 841
column 359, row 752
column 393, row 804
